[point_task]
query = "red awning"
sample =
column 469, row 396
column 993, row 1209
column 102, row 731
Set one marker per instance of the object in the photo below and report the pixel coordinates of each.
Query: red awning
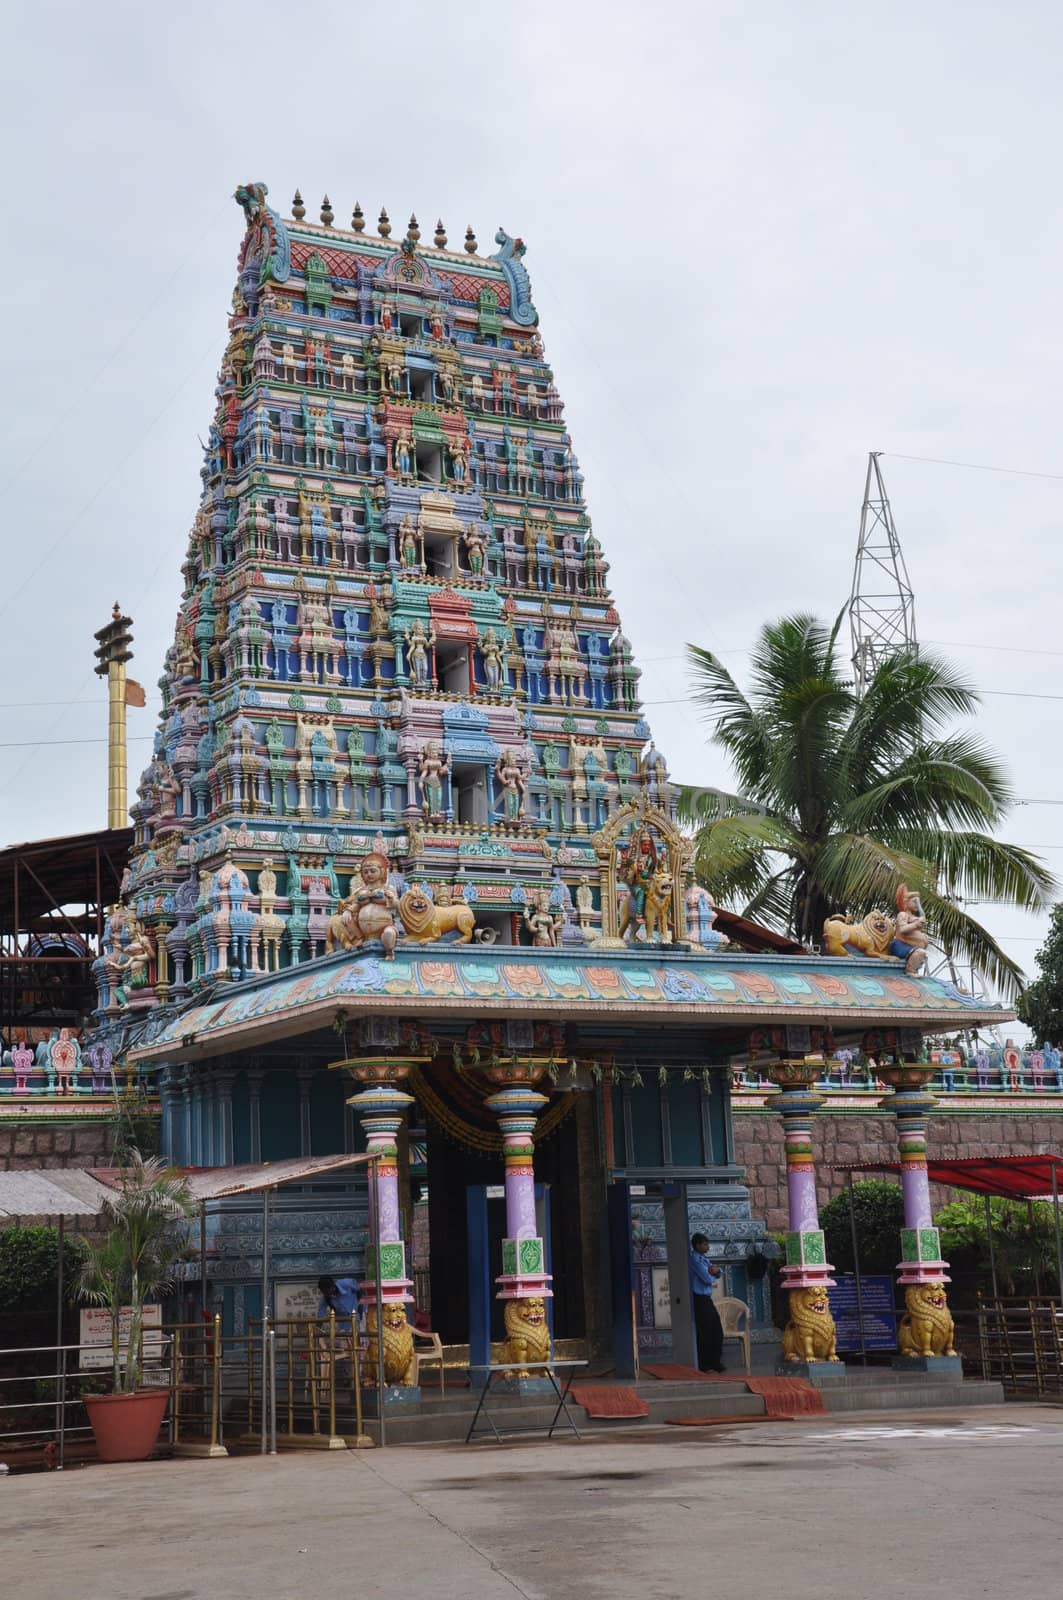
column 1010, row 1177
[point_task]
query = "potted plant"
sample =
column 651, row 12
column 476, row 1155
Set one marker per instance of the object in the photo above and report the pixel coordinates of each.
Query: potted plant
column 132, row 1266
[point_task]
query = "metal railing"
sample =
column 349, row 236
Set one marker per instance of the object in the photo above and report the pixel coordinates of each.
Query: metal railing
column 224, row 1389
column 44, row 1405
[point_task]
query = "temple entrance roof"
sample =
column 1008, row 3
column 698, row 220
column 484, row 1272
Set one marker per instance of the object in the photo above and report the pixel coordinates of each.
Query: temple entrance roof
column 630, row 986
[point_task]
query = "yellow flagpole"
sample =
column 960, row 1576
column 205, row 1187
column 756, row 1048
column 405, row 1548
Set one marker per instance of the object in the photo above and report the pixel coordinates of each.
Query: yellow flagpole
column 112, row 653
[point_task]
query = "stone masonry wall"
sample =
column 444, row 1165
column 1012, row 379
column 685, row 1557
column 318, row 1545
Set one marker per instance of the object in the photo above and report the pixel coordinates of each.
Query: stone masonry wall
column 843, row 1137
column 55, row 1144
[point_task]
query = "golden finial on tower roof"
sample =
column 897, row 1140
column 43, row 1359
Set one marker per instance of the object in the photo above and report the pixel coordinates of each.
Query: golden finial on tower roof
column 441, row 236
column 383, row 226
column 470, row 240
column 358, row 219
column 413, row 231
column 328, row 216
column 298, row 209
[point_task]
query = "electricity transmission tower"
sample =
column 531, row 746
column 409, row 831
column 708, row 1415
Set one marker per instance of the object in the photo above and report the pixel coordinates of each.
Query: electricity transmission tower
column 881, row 605
column 882, row 623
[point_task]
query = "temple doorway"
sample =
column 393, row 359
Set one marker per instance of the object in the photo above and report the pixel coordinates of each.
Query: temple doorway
column 453, row 1170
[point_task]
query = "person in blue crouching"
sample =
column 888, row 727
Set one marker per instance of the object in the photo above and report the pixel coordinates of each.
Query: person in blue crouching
column 339, row 1295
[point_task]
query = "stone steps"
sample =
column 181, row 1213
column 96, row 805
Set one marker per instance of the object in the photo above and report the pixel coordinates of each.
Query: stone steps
column 441, row 1421
column 920, row 1394
column 445, row 1419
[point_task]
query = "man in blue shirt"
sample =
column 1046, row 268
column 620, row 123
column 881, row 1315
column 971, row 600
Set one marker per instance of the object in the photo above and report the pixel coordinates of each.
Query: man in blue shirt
column 703, row 1279
column 339, row 1295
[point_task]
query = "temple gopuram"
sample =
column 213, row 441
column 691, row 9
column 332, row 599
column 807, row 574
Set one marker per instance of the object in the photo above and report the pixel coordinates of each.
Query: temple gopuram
column 406, row 871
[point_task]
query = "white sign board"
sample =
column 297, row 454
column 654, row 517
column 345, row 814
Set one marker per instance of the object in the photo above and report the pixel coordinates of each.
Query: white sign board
column 294, row 1302
column 662, row 1297
column 96, row 1333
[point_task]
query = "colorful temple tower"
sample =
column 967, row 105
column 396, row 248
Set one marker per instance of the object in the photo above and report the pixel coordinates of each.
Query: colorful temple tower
column 396, row 634
column 404, row 809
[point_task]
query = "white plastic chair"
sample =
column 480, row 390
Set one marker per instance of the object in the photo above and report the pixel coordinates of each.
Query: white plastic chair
column 432, row 1357
column 734, row 1315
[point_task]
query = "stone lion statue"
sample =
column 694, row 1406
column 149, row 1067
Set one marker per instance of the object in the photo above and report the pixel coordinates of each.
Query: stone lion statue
column 527, row 1334
column 425, row 922
column 926, row 1328
column 399, row 1363
column 809, row 1334
column 658, row 912
column 871, row 937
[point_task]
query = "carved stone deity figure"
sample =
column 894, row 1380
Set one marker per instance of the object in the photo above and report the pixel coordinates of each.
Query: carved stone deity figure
column 378, row 613
column 910, row 940
column 368, row 912
column 638, row 864
column 402, row 456
column 409, row 552
column 584, row 903
column 167, row 790
column 511, row 777
column 128, row 965
column 493, row 659
column 433, row 767
column 418, row 645
column 542, row 922
column 459, row 460
column 473, row 540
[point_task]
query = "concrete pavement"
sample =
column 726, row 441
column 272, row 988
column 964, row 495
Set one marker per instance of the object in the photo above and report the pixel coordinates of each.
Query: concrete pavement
column 851, row 1508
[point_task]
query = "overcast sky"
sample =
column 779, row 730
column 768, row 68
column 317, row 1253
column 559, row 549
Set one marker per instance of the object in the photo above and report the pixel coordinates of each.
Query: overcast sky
column 763, row 240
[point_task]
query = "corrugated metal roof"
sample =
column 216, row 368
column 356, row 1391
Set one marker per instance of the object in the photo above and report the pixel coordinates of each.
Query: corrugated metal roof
column 215, row 1183
column 51, row 1192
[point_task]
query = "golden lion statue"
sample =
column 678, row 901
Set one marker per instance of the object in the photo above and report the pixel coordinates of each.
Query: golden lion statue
column 926, row 1328
column 809, row 1334
column 399, row 1362
column 426, row 922
column 658, row 911
column 527, row 1335
column 872, row 937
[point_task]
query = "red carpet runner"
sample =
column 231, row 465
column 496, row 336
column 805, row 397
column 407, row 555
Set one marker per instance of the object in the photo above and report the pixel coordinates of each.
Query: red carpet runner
column 783, row 1397
column 608, row 1400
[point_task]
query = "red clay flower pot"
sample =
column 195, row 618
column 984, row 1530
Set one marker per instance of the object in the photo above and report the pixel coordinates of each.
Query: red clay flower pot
column 127, row 1425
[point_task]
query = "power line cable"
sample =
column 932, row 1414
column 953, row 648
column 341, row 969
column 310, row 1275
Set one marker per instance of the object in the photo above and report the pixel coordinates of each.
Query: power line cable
column 973, row 466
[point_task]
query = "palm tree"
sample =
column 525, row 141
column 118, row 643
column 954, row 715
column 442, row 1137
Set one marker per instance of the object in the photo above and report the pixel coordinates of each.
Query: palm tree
column 134, row 1263
column 843, row 799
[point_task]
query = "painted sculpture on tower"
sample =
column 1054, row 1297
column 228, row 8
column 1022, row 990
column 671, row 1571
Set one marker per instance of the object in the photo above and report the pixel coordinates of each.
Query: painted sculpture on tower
column 368, row 912
column 903, row 939
column 644, row 869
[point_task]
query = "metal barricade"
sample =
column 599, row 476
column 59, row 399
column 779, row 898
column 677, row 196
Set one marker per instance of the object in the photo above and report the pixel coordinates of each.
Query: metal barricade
column 318, row 1377
column 1021, row 1344
column 196, row 1421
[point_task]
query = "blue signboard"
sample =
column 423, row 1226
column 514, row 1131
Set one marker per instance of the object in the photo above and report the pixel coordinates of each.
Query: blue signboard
column 880, row 1318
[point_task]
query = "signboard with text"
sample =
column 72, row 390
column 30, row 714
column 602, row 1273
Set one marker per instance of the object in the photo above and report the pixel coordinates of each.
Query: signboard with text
column 880, row 1316
column 96, row 1332
column 296, row 1302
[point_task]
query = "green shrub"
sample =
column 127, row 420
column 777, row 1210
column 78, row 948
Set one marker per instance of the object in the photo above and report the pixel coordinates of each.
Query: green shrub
column 29, row 1269
column 879, row 1211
